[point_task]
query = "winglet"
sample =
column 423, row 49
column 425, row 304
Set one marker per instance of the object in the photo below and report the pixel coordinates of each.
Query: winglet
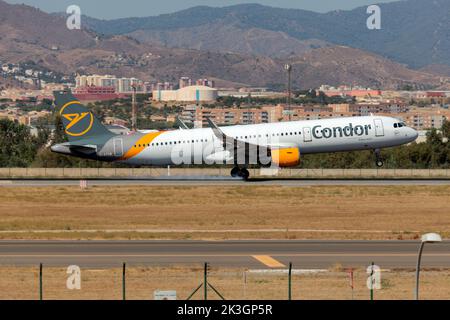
column 217, row 132
column 183, row 125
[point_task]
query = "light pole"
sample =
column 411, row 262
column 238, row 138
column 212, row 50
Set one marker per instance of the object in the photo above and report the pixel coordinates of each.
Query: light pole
column 426, row 238
column 288, row 68
column 133, row 108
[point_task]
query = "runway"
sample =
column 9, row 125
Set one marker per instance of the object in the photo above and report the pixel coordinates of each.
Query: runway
column 264, row 254
column 223, row 182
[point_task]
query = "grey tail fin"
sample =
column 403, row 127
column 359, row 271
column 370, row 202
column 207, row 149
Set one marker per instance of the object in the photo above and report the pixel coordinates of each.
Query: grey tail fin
column 78, row 121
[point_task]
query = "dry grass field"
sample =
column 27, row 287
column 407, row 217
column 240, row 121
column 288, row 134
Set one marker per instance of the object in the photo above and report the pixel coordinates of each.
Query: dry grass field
column 141, row 282
column 224, row 212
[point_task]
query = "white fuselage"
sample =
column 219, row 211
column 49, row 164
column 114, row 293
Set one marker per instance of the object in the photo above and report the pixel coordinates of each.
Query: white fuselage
column 313, row 136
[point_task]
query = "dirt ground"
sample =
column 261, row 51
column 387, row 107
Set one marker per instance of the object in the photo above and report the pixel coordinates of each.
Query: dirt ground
column 141, row 282
column 217, row 212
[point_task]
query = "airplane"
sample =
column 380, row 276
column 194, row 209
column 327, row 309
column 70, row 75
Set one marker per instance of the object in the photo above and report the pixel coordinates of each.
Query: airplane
column 278, row 145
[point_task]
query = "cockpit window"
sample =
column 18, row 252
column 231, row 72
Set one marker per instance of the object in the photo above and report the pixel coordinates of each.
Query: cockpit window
column 399, row 125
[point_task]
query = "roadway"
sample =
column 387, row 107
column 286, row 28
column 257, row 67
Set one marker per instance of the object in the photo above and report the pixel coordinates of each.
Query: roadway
column 255, row 254
column 208, row 181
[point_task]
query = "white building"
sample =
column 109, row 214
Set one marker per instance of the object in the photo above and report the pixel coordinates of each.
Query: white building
column 122, row 85
column 187, row 94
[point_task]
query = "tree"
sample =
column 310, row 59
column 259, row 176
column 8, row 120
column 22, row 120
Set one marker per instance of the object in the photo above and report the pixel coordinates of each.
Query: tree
column 17, row 146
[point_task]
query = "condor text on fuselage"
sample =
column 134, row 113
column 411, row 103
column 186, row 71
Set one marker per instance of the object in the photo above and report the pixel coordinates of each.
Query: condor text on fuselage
column 348, row 131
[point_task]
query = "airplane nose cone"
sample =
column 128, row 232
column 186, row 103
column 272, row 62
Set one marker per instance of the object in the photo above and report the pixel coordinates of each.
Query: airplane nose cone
column 414, row 134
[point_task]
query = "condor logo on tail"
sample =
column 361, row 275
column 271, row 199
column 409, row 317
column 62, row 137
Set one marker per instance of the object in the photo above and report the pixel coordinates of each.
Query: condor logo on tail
column 76, row 122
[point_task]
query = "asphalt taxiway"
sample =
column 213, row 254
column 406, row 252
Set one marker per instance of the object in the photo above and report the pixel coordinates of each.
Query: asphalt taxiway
column 262, row 254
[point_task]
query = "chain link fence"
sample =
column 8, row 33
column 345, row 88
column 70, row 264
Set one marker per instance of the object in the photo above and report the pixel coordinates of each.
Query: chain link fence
column 141, row 283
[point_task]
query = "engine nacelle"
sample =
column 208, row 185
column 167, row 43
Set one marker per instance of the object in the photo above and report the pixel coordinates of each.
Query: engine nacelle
column 288, row 157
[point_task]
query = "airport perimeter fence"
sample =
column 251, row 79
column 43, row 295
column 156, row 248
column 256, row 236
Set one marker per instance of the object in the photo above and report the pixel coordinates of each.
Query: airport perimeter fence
column 149, row 173
column 183, row 283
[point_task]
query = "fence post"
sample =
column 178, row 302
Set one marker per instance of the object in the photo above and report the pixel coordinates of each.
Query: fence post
column 290, row 281
column 205, row 281
column 124, row 281
column 245, row 284
column 371, row 279
column 40, row 282
column 352, row 286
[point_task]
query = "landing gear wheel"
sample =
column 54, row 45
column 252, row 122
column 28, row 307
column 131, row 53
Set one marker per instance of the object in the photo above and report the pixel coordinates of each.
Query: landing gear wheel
column 379, row 163
column 245, row 174
column 235, row 172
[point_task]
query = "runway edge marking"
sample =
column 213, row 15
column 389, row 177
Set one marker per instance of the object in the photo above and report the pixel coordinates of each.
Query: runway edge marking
column 269, row 261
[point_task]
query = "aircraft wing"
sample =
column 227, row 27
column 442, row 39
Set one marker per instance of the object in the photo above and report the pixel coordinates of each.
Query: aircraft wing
column 230, row 143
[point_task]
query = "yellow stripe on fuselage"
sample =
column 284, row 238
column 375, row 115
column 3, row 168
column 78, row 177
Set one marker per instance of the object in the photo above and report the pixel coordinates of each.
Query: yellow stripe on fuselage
column 140, row 145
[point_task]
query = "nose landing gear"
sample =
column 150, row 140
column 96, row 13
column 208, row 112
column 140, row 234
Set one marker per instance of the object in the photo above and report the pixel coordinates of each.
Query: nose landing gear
column 240, row 172
column 378, row 159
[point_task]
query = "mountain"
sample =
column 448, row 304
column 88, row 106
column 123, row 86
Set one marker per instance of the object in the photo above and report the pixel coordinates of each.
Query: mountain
column 437, row 69
column 414, row 32
column 30, row 35
column 345, row 65
column 222, row 37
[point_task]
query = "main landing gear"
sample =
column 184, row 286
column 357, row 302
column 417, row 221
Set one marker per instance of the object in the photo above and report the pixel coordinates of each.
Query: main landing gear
column 240, row 172
column 378, row 159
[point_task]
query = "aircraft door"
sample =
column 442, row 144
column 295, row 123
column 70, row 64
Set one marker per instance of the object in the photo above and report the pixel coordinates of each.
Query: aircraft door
column 379, row 128
column 118, row 147
column 307, row 136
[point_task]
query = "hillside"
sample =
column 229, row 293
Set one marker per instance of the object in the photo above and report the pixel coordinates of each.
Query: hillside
column 222, row 37
column 346, row 65
column 414, row 32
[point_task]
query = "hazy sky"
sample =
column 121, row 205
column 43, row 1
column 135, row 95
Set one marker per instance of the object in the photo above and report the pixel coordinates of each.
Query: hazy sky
column 110, row 9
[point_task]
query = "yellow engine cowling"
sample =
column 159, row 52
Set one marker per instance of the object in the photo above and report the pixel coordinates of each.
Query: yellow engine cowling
column 288, row 157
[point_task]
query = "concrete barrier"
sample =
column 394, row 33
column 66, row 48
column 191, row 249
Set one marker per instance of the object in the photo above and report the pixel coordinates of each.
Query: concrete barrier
column 122, row 173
